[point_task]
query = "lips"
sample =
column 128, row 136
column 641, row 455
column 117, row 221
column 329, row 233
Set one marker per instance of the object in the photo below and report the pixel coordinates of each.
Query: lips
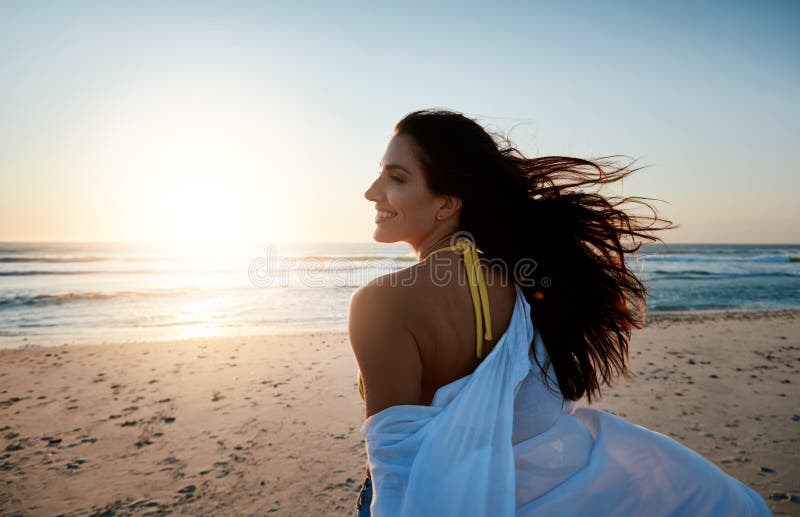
column 384, row 215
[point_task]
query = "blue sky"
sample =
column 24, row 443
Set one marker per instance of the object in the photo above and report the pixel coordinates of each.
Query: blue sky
column 151, row 120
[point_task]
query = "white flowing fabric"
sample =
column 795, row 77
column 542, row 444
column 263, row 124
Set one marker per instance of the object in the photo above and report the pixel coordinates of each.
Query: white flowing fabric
column 499, row 443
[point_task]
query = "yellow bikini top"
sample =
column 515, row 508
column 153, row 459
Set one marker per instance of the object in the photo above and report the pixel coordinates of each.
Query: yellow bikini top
column 477, row 289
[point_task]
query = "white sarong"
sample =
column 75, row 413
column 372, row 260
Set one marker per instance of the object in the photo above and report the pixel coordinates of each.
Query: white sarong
column 498, row 442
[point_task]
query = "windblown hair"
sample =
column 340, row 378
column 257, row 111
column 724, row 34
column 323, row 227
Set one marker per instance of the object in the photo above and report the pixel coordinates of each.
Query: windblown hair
column 585, row 300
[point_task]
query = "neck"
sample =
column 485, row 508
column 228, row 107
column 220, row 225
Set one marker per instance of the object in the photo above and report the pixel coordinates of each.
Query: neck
column 424, row 249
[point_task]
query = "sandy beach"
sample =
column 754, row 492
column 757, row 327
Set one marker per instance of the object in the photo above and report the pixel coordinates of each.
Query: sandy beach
column 270, row 424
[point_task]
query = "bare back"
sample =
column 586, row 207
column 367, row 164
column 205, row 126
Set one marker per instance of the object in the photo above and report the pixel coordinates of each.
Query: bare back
column 441, row 317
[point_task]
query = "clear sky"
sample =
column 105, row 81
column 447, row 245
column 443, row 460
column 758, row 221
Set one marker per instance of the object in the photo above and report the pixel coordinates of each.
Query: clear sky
column 265, row 121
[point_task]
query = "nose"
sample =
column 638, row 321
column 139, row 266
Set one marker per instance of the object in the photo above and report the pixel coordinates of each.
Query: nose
column 372, row 191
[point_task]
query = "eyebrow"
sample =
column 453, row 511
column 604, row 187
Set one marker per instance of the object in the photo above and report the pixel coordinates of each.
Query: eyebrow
column 395, row 166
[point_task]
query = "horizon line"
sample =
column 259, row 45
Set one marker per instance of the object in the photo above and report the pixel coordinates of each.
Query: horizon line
column 253, row 243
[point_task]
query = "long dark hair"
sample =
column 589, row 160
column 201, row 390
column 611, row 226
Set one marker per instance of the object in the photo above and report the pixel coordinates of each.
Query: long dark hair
column 585, row 299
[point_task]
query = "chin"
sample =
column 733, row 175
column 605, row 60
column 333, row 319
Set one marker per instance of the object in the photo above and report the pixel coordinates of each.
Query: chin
column 380, row 235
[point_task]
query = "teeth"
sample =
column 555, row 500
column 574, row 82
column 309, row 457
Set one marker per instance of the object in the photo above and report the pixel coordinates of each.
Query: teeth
column 383, row 215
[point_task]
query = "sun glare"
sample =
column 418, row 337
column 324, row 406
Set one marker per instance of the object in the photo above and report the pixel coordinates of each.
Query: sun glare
column 198, row 210
column 187, row 165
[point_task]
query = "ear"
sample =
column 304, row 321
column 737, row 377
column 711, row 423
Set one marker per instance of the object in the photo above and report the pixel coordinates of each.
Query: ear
column 449, row 207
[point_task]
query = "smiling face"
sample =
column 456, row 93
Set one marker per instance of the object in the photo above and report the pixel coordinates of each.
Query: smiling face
column 407, row 211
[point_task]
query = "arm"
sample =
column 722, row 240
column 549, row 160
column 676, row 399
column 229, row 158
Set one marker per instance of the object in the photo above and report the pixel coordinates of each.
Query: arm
column 385, row 349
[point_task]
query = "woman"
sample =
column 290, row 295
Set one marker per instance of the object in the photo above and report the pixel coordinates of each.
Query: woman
column 471, row 364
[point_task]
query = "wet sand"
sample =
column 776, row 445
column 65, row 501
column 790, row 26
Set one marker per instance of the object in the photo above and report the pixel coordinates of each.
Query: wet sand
column 270, row 424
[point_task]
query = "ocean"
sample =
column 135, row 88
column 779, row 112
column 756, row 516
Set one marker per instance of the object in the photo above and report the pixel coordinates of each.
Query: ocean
column 55, row 293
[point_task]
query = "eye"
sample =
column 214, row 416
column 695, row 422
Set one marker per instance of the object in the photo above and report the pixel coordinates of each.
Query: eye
column 393, row 177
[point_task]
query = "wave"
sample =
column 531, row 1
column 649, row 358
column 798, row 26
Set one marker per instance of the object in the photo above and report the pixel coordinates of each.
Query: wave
column 698, row 308
column 771, row 259
column 179, row 323
column 57, row 260
column 120, row 272
column 77, row 260
column 354, row 258
column 27, row 259
column 35, row 273
column 683, row 272
column 694, row 274
column 317, row 268
column 55, row 299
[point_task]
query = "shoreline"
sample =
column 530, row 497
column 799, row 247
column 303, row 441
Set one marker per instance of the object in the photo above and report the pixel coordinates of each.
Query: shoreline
column 651, row 318
column 682, row 316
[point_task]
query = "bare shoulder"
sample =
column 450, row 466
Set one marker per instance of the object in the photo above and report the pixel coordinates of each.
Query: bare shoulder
column 396, row 291
column 385, row 348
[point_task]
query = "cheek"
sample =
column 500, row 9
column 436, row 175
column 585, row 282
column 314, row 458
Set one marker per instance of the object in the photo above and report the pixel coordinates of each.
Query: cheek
column 414, row 204
column 401, row 199
column 420, row 208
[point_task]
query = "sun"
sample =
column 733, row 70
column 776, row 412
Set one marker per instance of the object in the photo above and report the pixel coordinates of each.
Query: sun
column 186, row 165
column 199, row 210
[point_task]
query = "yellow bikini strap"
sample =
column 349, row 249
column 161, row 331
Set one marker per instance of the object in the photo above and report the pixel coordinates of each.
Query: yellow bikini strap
column 477, row 288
